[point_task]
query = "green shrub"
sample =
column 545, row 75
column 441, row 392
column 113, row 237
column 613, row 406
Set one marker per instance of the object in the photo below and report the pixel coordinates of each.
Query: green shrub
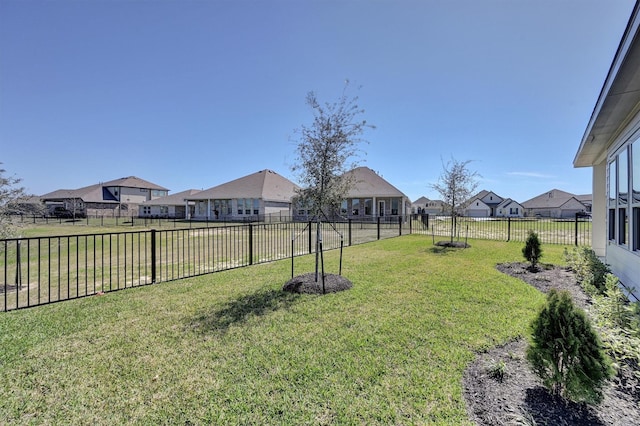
column 619, row 323
column 566, row 352
column 532, row 250
column 590, row 271
column 497, row 370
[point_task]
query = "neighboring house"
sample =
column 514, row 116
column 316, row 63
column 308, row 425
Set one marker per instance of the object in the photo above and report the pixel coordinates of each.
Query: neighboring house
column 423, row 205
column 611, row 147
column 371, row 196
column 587, row 200
column 509, row 208
column 119, row 197
column 555, row 204
column 477, row 208
column 251, row 197
column 483, row 204
column 172, row 206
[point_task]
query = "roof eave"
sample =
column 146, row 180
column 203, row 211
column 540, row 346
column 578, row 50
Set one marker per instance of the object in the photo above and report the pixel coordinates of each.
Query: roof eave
column 613, row 110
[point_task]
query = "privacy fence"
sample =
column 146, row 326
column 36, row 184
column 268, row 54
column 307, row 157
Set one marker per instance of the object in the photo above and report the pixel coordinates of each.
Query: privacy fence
column 37, row 271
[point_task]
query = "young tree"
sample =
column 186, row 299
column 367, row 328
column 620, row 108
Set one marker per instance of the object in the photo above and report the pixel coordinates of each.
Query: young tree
column 456, row 185
column 566, row 353
column 11, row 197
column 532, row 250
column 326, row 151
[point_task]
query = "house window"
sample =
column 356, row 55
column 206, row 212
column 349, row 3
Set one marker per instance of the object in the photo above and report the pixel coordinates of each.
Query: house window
column 355, row 207
column 394, row 207
column 612, row 199
column 623, row 177
column 240, row 205
column 636, row 228
column 343, row 208
column 247, row 205
column 368, row 203
column 513, row 210
column 623, row 196
column 612, row 224
column 256, row 206
column 635, row 193
column 623, row 226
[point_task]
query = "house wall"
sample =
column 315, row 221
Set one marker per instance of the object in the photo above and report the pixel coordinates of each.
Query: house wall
column 626, row 266
column 478, row 209
column 569, row 209
column 491, row 198
column 622, row 249
column 509, row 211
column 134, row 195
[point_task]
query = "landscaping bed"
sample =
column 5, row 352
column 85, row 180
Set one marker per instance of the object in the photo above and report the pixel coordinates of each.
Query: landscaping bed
column 500, row 387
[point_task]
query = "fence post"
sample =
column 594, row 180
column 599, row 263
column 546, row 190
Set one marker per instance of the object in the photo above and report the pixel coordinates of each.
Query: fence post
column 400, row 226
column 18, row 266
column 378, row 227
column 509, row 229
column 310, row 231
column 576, row 229
column 350, row 220
column 153, row 256
column 250, row 244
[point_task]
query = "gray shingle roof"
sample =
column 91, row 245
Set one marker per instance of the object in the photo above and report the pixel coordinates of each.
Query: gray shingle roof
column 550, row 199
column 265, row 184
column 98, row 193
column 369, row 184
column 134, row 182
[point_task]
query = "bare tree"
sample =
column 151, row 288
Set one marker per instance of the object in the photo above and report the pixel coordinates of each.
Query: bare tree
column 456, row 185
column 12, row 198
column 326, row 151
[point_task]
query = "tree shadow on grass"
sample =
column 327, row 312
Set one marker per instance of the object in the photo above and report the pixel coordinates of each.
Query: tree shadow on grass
column 240, row 310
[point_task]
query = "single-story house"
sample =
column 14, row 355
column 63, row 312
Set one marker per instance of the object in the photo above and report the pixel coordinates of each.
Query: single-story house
column 119, row 197
column 483, row 204
column 423, row 205
column 252, row 197
column 509, row 208
column 371, row 196
column 611, row 147
column 555, row 204
column 172, row 206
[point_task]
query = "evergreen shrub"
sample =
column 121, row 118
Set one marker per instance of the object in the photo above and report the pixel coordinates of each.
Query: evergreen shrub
column 532, row 250
column 566, row 353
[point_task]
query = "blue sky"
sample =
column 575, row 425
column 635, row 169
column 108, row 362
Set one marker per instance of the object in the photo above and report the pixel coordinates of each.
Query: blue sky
column 192, row 94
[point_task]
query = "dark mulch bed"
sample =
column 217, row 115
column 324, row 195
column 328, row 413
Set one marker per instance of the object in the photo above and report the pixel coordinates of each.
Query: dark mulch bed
column 307, row 284
column 519, row 397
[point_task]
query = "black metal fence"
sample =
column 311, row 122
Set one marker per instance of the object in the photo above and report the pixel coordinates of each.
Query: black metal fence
column 44, row 270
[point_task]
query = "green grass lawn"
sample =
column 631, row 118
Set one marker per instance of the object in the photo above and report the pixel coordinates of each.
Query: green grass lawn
column 231, row 348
